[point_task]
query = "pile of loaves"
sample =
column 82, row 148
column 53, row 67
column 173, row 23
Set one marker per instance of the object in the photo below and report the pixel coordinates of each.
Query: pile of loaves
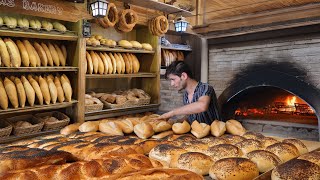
column 171, row 156
column 35, row 24
column 34, row 89
column 111, row 63
column 23, row 53
column 169, row 56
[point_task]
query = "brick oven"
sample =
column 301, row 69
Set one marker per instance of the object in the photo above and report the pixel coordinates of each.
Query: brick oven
column 271, row 85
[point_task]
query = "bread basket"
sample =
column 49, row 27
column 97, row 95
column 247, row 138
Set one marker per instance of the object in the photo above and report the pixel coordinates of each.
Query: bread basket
column 127, row 104
column 36, row 126
column 94, row 107
column 5, row 129
column 63, row 120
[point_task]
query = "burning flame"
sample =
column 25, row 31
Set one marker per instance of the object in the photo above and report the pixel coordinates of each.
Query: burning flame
column 291, row 101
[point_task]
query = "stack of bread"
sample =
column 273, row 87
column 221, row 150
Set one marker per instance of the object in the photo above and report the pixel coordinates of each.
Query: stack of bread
column 97, row 40
column 92, row 101
column 23, row 53
column 34, row 89
column 111, row 63
column 35, row 24
column 168, row 56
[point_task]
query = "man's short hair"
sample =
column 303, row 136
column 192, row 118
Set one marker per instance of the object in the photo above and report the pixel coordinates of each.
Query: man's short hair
column 177, row 68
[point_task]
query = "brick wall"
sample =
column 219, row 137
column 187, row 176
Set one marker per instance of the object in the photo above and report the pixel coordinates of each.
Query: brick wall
column 227, row 60
column 170, row 97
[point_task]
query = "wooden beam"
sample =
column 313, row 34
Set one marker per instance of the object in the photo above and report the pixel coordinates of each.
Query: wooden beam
column 262, row 19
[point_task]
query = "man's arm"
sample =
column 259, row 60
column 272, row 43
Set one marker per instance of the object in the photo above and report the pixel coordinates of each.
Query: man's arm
column 199, row 106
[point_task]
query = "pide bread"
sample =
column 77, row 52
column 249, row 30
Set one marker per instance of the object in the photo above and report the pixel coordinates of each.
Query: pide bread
column 4, row 103
column 95, row 62
column 265, row 160
column 45, row 90
column 118, row 62
column 11, row 92
column 60, row 92
column 21, row 92
column 100, row 64
column 296, row 169
column 42, row 54
column 143, row 130
column 110, row 66
column 125, row 44
column 62, row 59
column 114, row 63
column 54, row 54
column 127, row 63
column 218, row 128
column 14, row 53
column 89, row 63
column 123, row 70
column 284, row 151
column 195, row 162
column 30, row 93
column 253, row 135
column 234, row 127
column 5, row 57
column 89, row 126
column 233, row 139
column 48, row 54
column 298, row 144
column 146, row 46
column 268, row 141
column 105, row 62
column 234, row 169
column 67, row 89
column 136, row 44
column 181, row 128
column 52, row 90
column 24, row 54
column 110, row 128
column 212, row 141
column 36, row 88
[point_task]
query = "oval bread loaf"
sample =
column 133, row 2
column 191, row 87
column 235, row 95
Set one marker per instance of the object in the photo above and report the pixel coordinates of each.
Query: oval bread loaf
column 11, row 92
column 5, row 57
column 45, row 90
column 42, row 54
column 58, row 26
column 181, row 128
column 24, row 54
column 30, row 93
column 60, row 92
column 114, row 63
column 4, row 103
column 64, row 51
column 89, row 62
column 62, row 59
column 95, row 62
column 47, row 25
column 48, row 54
column 100, row 66
column 21, row 92
column 66, row 88
column 14, row 53
column 105, row 62
column 110, row 128
column 118, row 62
column 123, row 69
column 36, row 88
column 32, row 56
column 70, row 129
column 54, row 54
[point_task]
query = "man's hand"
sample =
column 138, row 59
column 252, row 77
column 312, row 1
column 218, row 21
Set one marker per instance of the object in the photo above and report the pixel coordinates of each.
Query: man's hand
column 166, row 116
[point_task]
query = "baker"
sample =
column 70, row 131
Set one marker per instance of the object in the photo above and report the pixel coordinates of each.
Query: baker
column 199, row 99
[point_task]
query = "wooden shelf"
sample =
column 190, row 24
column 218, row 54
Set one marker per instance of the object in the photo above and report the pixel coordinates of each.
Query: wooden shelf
column 137, row 75
column 159, row 6
column 38, row 108
column 39, row 35
column 173, row 48
column 13, row 138
column 39, row 69
column 120, row 111
column 118, row 49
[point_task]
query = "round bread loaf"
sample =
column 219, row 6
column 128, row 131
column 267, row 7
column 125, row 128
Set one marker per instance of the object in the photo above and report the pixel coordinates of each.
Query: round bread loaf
column 265, row 160
column 284, row 151
column 125, row 44
column 146, row 46
column 212, row 141
column 234, row 169
column 195, row 146
column 253, row 135
column 223, row 151
column 296, row 169
column 298, row 144
column 233, row 139
column 181, row 128
column 312, row 157
column 218, row 128
column 143, row 130
column 249, row 145
column 234, row 127
column 268, row 141
column 165, row 152
column 195, row 162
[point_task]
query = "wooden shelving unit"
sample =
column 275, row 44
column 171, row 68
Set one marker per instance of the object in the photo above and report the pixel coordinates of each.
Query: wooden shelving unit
column 160, row 6
column 38, row 108
column 137, row 75
column 120, row 111
column 68, row 36
column 119, row 49
column 38, row 69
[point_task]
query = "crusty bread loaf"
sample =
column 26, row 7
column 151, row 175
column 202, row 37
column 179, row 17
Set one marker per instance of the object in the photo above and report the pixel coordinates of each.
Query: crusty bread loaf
column 218, row 128
column 4, row 103
column 70, row 129
column 119, row 63
column 5, row 57
column 195, row 162
column 249, row 145
column 284, row 151
column 42, row 54
column 234, row 127
column 45, row 90
column 11, row 92
column 24, row 54
column 67, row 89
column 265, row 160
column 62, row 58
column 223, row 151
column 36, row 88
column 125, row 125
column 64, row 51
column 296, row 169
column 105, row 63
column 110, row 128
column 253, row 135
column 162, row 134
column 52, row 90
column 110, row 66
column 30, row 93
column 60, row 92
column 100, row 64
column 233, row 139
column 234, row 169
column 89, row 126
column 160, row 126
column 48, row 54
column 298, row 144
column 313, row 157
column 181, row 128
column 89, row 63
column 135, row 63
column 95, row 62
column 54, row 54
column 114, row 63
column 21, row 92
column 125, row 44
column 136, row 44
column 200, row 130
column 37, row 56
column 268, row 141
column 146, row 46
column 127, row 63
column 14, row 53
column 32, row 56
column 165, row 152
column 213, row 141
column 143, row 130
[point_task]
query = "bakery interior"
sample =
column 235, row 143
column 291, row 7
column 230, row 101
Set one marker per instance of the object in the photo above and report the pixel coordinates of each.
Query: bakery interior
column 82, row 84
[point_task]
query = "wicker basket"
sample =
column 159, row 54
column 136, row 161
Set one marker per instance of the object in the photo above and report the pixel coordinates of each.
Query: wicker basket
column 94, row 107
column 144, row 101
column 5, row 129
column 63, row 120
column 127, row 104
column 36, row 126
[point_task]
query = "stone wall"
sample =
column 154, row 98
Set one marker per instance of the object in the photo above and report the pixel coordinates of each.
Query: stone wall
column 170, row 97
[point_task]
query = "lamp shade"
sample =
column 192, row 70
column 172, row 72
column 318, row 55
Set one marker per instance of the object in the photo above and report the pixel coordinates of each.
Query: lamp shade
column 181, row 24
column 99, row 8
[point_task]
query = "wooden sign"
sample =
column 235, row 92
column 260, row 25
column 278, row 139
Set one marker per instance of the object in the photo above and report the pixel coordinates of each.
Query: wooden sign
column 53, row 9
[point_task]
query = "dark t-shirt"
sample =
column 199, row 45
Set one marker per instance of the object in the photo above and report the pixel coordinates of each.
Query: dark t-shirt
column 203, row 89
